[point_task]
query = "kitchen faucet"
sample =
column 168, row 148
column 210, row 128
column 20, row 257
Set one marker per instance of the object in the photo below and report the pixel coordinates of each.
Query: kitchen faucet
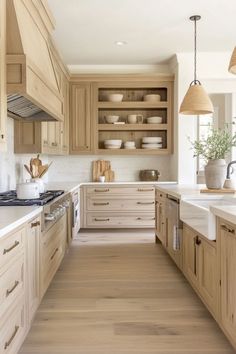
column 228, row 168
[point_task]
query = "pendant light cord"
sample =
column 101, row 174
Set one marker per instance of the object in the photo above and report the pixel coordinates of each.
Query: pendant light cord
column 195, row 51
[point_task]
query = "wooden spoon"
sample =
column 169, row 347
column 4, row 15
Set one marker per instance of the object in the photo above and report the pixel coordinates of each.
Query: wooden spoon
column 28, row 170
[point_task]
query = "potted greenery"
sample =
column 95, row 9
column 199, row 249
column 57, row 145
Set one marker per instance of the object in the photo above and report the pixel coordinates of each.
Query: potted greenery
column 214, row 150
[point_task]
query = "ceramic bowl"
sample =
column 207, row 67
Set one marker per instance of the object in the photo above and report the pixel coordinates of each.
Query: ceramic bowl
column 152, row 98
column 154, row 120
column 129, row 143
column 149, row 175
column 151, row 146
column 107, row 146
column 116, row 142
column 115, row 97
column 112, row 119
column 152, row 139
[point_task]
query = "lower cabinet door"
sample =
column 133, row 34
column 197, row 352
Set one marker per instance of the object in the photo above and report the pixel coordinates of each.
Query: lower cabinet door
column 13, row 329
column 228, row 283
column 208, row 274
column 190, row 255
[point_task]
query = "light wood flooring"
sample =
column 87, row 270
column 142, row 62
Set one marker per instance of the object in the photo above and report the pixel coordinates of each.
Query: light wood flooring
column 120, row 293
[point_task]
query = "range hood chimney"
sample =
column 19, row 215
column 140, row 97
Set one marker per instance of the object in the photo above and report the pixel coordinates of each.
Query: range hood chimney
column 33, row 86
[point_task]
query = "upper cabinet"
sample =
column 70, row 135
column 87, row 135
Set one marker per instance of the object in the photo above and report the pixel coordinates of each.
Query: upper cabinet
column 3, row 97
column 33, row 83
column 92, row 105
column 81, row 125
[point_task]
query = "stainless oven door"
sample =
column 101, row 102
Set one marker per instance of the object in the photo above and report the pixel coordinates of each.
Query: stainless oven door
column 75, row 214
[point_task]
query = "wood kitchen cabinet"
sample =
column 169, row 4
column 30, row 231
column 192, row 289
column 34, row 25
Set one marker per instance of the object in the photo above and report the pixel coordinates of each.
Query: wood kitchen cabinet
column 81, row 127
column 227, row 239
column 200, row 266
column 3, row 95
column 118, row 206
column 33, row 271
column 161, row 220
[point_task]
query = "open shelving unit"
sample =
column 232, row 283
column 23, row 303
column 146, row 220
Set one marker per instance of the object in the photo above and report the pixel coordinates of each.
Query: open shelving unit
column 133, row 103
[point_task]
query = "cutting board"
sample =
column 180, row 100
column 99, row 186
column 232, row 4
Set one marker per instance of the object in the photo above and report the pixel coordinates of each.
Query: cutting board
column 99, row 167
column 109, row 176
column 218, row 191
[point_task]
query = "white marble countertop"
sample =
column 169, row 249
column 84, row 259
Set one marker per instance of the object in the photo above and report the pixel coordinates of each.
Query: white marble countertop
column 226, row 212
column 71, row 186
column 13, row 216
column 184, row 191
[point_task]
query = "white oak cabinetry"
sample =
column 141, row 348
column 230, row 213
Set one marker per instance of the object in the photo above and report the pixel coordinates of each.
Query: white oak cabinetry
column 161, row 218
column 33, row 264
column 227, row 239
column 13, row 321
column 133, row 103
column 112, row 206
column 52, row 248
column 200, row 266
column 81, row 126
column 3, row 95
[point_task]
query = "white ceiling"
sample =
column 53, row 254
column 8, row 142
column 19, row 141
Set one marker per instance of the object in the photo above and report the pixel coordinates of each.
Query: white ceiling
column 154, row 29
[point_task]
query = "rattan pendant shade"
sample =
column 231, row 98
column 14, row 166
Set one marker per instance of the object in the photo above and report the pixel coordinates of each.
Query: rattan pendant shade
column 232, row 64
column 196, row 101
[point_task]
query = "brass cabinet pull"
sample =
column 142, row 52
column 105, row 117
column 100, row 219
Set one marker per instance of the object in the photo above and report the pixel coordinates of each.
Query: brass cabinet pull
column 102, row 219
column 54, row 253
column 54, row 144
column 35, row 224
column 139, row 218
column 106, row 203
column 227, row 229
column 7, row 250
column 7, row 344
column 145, row 189
column 9, row 291
column 145, row 203
column 102, row 190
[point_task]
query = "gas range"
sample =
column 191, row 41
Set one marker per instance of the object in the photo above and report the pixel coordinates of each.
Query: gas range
column 9, row 198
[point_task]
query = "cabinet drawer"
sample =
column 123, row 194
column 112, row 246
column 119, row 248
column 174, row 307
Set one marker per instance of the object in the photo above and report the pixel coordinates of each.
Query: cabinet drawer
column 13, row 329
column 99, row 220
column 50, row 265
column 117, row 204
column 11, row 245
column 12, row 284
column 142, row 191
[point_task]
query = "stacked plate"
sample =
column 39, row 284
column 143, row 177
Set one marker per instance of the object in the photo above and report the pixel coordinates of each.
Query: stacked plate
column 129, row 145
column 113, row 144
column 152, row 142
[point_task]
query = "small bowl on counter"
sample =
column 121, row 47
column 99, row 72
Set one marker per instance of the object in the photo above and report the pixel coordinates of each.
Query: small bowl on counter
column 129, row 145
column 152, row 98
column 115, row 97
column 111, row 119
column 149, row 175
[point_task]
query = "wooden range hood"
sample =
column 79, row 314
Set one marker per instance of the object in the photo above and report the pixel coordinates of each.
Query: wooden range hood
column 33, row 87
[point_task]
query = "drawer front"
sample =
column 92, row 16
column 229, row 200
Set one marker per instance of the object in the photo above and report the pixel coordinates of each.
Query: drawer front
column 12, row 284
column 50, row 265
column 144, row 191
column 13, row 329
column 117, row 204
column 11, row 245
column 96, row 220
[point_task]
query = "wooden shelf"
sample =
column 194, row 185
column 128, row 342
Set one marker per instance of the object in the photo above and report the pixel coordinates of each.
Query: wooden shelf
column 123, row 127
column 133, row 152
column 133, row 105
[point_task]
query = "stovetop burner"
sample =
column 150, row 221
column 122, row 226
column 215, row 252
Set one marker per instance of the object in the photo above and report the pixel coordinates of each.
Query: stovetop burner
column 9, row 198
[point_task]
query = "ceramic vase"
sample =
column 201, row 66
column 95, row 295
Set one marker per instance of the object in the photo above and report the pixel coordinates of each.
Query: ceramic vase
column 215, row 173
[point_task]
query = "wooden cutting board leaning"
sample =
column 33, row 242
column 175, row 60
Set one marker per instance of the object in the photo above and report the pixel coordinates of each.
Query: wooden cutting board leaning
column 102, row 168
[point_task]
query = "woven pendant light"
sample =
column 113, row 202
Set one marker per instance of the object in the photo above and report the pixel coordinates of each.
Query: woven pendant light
column 232, row 64
column 196, row 101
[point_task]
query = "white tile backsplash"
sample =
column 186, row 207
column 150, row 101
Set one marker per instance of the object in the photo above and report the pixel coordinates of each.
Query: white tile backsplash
column 76, row 168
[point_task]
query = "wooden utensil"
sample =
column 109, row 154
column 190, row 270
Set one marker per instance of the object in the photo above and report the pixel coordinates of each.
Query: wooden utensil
column 109, row 176
column 28, row 170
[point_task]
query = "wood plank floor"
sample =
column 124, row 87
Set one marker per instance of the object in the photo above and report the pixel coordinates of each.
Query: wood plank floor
column 121, row 294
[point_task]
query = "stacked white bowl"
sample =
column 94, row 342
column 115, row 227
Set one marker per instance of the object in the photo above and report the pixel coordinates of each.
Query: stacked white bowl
column 152, row 142
column 113, row 144
column 129, row 145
